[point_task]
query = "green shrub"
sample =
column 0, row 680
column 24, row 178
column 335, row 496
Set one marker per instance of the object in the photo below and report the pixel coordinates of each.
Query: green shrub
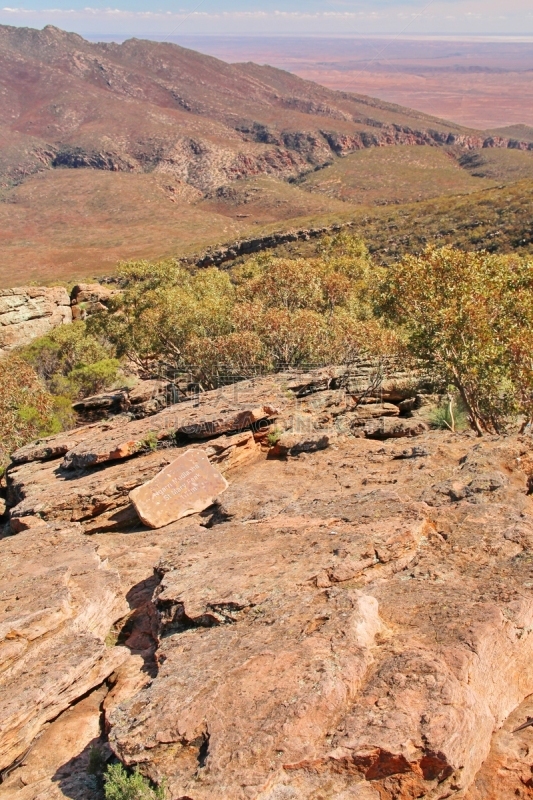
column 63, row 412
column 26, row 407
column 468, row 317
column 121, row 785
column 274, row 436
column 149, row 442
column 72, row 362
column 94, row 378
column 451, row 415
column 267, row 314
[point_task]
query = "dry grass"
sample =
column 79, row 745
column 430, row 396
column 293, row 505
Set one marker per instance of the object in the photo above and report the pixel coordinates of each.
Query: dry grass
column 68, row 225
column 498, row 165
column 497, row 220
column 383, row 176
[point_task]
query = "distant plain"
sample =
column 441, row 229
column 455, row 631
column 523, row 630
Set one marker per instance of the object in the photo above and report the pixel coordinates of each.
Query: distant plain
column 479, row 84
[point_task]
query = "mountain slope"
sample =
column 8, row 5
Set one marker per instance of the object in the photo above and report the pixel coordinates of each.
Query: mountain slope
column 143, row 106
column 148, row 149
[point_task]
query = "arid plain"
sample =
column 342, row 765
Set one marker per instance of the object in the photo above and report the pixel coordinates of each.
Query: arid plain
column 479, row 83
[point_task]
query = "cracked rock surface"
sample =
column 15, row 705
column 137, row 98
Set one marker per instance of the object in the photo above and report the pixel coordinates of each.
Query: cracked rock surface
column 352, row 623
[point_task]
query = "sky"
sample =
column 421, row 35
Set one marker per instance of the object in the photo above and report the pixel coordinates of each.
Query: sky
column 164, row 18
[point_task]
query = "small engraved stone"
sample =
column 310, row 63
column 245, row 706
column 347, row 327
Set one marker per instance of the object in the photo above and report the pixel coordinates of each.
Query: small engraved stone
column 187, row 486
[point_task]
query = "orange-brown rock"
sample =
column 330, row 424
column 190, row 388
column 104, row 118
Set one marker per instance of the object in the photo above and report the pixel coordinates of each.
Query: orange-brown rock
column 190, row 419
column 57, row 766
column 351, row 623
column 99, row 499
column 188, row 485
column 58, row 601
column 372, row 683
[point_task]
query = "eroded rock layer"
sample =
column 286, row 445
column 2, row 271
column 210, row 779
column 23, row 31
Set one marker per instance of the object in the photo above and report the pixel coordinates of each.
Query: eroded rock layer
column 353, row 619
column 29, row 312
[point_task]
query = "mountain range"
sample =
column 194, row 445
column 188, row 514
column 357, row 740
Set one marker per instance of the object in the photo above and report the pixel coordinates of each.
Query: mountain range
column 148, row 149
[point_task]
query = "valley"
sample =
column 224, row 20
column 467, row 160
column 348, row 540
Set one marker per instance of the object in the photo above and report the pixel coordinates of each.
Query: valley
column 150, row 150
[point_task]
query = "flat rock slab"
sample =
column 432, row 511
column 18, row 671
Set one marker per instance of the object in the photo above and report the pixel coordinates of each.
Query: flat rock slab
column 326, row 640
column 58, row 602
column 99, row 499
column 187, row 486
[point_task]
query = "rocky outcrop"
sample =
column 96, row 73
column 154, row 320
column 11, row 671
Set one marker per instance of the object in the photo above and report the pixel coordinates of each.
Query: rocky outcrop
column 352, row 619
column 244, row 247
column 365, row 646
column 145, row 398
column 29, row 312
column 59, row 601
column 55, row 479
column 89, row 298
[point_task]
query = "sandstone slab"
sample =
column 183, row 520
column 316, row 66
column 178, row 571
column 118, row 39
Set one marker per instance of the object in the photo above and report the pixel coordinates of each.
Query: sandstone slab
column 355, row 623
column 387, row 428
column 29, row 312
column 188, row 485
column 371, row 411
column 99, row 499
column 331, row 641
column 192, row 419
column 56, row 446
column 294, row 443
column 212, row 414
column 58, row 601
column 56, row 767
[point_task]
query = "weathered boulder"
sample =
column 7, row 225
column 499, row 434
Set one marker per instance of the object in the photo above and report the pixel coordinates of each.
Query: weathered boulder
column 144, row 391
column 294, row 443
column 317, row 381
column 109, row 401
column 386, row 428
column 29, row 312
column 373, row 411
column 89, row 298
column 144, row 399
column 58, row 602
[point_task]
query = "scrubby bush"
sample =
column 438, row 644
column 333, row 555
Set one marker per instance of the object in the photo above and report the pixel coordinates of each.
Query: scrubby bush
column 72, row 362
column 162, row 308
column 121, row 785
column 450, row 415
column 26, row 408
column 469, row 318
column 266, row 314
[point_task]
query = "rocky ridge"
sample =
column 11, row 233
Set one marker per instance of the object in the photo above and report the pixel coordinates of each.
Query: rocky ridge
column 352, row 620
column 29, row 312
column 204, row 124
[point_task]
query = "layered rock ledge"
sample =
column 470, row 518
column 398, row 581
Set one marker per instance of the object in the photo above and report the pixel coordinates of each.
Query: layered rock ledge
column 29, row 312
column 353, row 620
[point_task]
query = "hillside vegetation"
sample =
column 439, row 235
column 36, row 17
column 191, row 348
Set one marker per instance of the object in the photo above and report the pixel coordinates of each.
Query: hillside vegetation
column 465, row 317
column 395, row 175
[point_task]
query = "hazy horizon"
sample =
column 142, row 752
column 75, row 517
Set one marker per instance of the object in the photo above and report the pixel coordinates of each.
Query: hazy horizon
column 494, row 18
